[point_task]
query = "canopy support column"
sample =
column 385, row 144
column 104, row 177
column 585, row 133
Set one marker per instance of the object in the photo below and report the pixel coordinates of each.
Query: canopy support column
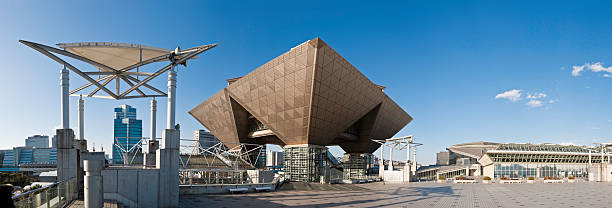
column 171, row 98
column 65, row 118
column 153, row 118
column 81, row 118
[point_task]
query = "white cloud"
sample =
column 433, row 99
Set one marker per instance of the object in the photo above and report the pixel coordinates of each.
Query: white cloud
column 577, row 70
column 534, row 103
column 553, row 101
column 511, row 95
column 536, row 95
column 596, row 67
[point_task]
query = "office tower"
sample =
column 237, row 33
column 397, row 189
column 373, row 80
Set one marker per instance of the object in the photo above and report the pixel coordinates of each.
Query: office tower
column 127, row 133
column 204, row 139
column 53, row 142
column 37, row 141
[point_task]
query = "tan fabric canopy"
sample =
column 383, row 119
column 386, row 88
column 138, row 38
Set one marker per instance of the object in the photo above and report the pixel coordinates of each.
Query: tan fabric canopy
column 114, row 55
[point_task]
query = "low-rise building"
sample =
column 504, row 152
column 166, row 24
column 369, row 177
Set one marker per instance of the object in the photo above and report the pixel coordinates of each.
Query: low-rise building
column 515, row 160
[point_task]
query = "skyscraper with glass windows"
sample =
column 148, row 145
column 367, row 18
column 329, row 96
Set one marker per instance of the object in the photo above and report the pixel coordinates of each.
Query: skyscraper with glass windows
column 127, row 133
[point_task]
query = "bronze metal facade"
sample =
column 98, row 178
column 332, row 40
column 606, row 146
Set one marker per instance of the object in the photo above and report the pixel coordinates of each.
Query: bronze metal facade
column 308, row 95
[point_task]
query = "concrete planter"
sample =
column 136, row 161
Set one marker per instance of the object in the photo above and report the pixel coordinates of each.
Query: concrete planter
column 571, row 180
column 441, row 181
column 553, row 181
column 486, row 181
column 464, row 181
column 530, row 181
column 510, row 181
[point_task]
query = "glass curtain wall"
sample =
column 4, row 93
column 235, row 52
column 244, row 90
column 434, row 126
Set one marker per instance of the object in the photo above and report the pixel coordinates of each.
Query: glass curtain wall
column 545, row 170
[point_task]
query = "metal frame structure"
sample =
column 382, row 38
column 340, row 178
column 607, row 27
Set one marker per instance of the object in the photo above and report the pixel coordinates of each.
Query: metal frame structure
column 124, row 74
column 400, row 143
column 242, row 153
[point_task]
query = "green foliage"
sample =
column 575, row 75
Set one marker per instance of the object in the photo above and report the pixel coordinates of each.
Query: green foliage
column 571, row 178
column 487, row 178
column 530, row 178
column 442, row 178
column 16, row 179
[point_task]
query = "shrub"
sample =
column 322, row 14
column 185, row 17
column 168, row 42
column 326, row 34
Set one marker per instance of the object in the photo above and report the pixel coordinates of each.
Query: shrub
column 442, row 178
column 530, row 178
column 571, row 178
column 487, row 178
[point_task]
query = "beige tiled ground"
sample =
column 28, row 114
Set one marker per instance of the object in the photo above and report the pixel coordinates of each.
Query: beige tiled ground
column 421, row 195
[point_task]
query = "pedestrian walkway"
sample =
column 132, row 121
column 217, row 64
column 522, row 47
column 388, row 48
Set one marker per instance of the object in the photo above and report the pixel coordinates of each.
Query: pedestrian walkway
column 420, row 195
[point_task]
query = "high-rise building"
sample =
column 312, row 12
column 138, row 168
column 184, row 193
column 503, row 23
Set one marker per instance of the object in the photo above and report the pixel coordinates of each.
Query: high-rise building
column 127, row 133
column 205, row 139
column 37, row 141
column 53, row 142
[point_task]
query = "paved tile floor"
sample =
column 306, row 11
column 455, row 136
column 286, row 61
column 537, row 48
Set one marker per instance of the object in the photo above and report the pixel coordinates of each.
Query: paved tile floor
column 422, row 195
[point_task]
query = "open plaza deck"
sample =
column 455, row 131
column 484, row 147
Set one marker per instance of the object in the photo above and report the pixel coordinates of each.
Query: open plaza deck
column 479, row 195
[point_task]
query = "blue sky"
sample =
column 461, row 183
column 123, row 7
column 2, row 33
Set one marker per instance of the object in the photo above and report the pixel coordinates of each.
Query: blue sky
column 443, row 62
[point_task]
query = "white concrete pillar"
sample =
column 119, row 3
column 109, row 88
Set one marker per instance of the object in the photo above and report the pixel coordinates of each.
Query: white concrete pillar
column 171, row 98
column 407, row 172
column 65, row 101
column 414, row 163
column 66, row 155
column 408, row 155
column 94, row 190
column 81, row 118
column 590, row 157
column 153, row 119
column 168, row 165
column 381, row 162
column 391, row 158
column 602, row 154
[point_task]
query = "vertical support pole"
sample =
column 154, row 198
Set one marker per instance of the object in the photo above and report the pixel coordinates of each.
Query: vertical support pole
column 171, row 98
column 81, row 118
column 65, row 98
column 590, row 157
column 407, row 172
column 153, row 118
column 602, row 154
column 608, row 156
column 391, row 158
column 381, row 162
column 414, row 163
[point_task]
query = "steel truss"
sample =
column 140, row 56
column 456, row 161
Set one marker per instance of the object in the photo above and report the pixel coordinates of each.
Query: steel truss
column 125, row 74
column 241, row 156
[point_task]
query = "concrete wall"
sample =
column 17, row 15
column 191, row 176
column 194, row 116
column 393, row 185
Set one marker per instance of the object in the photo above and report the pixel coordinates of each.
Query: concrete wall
column 600, row 172
column 394, row 176
column 261, row 176
column 132, row 187
column 488, row 170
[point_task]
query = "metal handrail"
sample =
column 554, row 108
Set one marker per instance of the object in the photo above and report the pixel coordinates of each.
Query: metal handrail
column 56, row 194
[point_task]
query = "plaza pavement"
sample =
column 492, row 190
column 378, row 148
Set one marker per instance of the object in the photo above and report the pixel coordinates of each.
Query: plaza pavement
column 421, row 195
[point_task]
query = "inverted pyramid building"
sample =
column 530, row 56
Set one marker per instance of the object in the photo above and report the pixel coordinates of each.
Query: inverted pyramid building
column 308, row 95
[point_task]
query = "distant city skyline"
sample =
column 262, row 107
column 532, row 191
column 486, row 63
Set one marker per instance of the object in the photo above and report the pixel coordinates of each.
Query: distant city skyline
column 518, row 71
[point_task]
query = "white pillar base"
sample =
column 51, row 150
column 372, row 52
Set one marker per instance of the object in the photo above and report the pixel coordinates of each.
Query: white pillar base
column 168, row 164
